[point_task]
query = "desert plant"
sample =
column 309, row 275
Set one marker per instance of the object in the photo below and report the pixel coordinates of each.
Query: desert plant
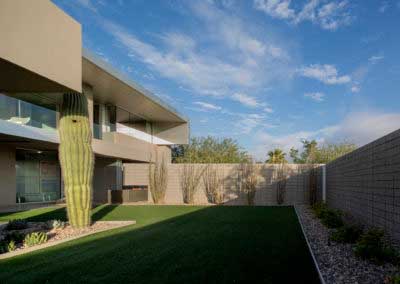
column 372, row 246
column 394, row 279
column 11, row 246
column 249, row 181
column 277, row 156
column 3, row 247
column 190, row 178
column 57, row 224
column 201, row 150
column 329, row 217
column 212, row 184
column 14, row 236
column 17, row 224
column 281, row 184
column 35, row 238
column 319, row 209
column 158, row 179
column 346, row 234
column 76, row 158
column 332, row 218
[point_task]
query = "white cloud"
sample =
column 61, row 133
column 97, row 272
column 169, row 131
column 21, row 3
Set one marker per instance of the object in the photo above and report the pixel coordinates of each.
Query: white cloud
column 233, row 33
column 248, row 122
column 356, row 88
column 329, row 16
column 203, row 74
column 236, row 60
column 326, row 73
column 207, row 106
column 87, row 4
column 275, row 8
column 357, row 127
column 376, row 58
column 317, row 96
column 268, row 110
column 364, row 127
column 245, row 100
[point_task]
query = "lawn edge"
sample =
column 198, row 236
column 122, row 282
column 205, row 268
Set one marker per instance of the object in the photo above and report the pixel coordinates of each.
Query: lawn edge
column 321, row 278
column 51, row 244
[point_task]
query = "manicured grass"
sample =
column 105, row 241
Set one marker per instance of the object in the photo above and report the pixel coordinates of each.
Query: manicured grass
column 173, row 244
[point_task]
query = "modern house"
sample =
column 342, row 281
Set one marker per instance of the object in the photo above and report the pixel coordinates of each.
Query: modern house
column 41, row 58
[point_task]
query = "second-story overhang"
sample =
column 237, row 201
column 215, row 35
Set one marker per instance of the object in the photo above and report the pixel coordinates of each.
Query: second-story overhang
column 112, row 87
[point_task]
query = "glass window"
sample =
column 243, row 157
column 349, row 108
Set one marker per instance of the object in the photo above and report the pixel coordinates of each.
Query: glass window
column 25, row 113
column 38, row 176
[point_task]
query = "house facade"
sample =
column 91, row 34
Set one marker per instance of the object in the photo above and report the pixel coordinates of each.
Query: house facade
column 41, row 58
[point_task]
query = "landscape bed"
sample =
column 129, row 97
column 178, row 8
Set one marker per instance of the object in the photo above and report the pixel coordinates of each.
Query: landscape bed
column 172, row 244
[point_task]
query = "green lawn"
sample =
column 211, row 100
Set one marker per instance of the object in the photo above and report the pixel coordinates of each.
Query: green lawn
column 173, row 244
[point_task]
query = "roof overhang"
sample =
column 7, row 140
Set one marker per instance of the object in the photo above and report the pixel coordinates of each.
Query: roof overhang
column 41, row 48
column 111, row 87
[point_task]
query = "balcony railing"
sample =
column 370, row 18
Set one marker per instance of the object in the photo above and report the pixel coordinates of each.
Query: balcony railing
column 24, row 113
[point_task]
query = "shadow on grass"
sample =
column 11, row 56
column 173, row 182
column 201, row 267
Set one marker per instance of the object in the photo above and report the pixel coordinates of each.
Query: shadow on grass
column 101, row 211
column 208, row 245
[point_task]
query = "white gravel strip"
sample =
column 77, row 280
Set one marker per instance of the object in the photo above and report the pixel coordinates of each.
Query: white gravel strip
column 336, row 261
column 97, row 227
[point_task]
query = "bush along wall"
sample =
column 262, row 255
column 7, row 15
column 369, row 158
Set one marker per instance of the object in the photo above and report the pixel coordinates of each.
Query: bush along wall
column 369, row 244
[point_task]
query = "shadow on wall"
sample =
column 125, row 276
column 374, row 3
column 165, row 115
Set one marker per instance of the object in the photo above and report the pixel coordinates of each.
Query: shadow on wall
column 209, row 245
column 290, row 187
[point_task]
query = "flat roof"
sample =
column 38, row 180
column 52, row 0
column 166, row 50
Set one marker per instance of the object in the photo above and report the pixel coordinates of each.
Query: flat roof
column 113, row 81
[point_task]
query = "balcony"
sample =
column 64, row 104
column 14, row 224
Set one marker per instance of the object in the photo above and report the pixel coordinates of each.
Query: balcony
column 119, row 145
column 20, row 118
column 28, row 114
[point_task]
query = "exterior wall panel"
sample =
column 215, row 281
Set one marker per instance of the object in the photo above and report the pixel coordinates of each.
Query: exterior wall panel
column 297, row 185
column 8, row 178
column 42, row 39
column 366, row 184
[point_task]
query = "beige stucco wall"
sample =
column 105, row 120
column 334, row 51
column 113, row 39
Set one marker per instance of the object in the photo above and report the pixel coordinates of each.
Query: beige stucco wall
column 7, row 177
column 41, row 38
column 297, row 183
column 177, row 133
column 105, row 178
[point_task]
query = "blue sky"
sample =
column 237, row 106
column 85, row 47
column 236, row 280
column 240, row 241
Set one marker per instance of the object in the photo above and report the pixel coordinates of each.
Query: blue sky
column 265, row 72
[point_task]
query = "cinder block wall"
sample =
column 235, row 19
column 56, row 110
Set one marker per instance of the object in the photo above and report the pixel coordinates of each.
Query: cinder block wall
column 297, row 185
column 366, row 184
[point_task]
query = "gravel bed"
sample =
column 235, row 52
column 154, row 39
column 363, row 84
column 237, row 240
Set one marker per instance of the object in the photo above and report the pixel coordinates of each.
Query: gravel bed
column 336, row 261
column 61, row 234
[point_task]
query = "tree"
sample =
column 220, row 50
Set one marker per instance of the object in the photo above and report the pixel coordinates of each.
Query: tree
column 277, row 156
column 314, row 154
column 209, row 150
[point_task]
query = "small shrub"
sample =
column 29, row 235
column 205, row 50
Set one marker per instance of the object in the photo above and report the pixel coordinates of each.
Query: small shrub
column 57, row 224
column 17, row 224
column 371, row 246
column 319, row 208
column 332, row 218
column 395, row 279
column 35, row 238
column 3, row 247
column 346, row 234
column 16, row 237
column 11, row 246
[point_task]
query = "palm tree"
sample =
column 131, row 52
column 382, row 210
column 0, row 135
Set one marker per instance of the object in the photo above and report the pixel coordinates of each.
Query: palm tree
column 277, row 156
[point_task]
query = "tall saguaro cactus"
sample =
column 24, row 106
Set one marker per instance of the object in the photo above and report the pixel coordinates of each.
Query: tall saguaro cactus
column 76, row 158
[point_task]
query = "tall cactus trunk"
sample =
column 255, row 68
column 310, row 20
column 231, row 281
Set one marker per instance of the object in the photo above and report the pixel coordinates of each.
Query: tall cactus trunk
column 76, row 158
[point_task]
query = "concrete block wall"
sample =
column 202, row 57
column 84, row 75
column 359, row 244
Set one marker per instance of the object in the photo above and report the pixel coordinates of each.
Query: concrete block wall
column 297, row 185
column 366, row 184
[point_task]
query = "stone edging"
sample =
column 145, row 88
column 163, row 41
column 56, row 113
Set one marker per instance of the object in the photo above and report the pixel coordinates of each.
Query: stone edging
column 119, row 224
column 321, row 278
